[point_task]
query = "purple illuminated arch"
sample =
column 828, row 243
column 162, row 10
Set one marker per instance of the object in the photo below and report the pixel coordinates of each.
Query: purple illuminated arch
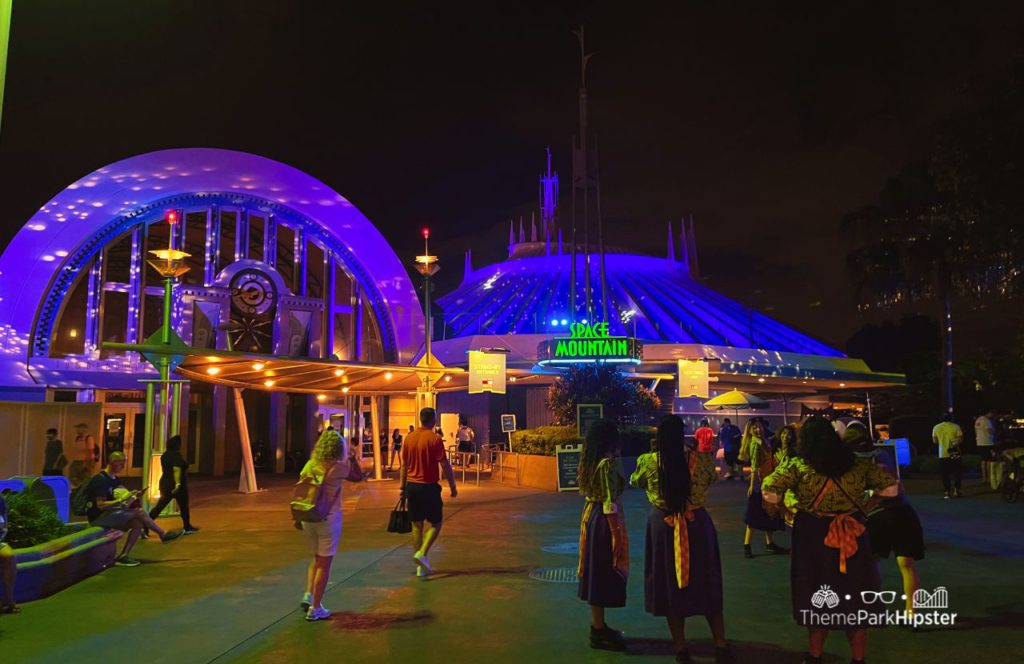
column 39, row 265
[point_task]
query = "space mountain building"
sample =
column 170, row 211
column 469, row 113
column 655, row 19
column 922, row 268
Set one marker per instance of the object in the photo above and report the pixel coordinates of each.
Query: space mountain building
column 531, row 305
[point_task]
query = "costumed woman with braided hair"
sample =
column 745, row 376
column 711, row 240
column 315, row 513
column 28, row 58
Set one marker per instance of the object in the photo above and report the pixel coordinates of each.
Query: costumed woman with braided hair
column 604, row 546
column 832, row 557
column 759, row 515
column 682, row 565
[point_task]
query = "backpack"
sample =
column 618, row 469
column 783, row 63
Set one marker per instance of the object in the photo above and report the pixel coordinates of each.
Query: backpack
column 308, row 503
column 81, row 501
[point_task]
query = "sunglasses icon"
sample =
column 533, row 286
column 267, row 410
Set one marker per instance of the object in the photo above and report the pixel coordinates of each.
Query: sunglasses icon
column 871, row 596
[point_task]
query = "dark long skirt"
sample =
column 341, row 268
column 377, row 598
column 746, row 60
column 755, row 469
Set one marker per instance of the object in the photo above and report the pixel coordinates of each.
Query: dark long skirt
column 600, row 584
column 757, row 518
column 815, row 578
column 703, row 595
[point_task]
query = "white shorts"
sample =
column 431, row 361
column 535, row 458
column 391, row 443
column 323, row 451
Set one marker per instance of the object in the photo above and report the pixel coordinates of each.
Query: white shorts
column 324, row 536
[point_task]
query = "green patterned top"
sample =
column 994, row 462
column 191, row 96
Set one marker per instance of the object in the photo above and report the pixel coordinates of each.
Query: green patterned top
column 796, row 476
column 702, row 476
column 609, row 485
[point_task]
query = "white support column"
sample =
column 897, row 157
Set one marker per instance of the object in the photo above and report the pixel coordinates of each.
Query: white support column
column 378, row 467
column 247, row 478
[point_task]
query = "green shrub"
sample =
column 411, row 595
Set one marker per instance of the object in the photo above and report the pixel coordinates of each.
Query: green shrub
column 543, row 440
column 635, row 440
column 30, row 523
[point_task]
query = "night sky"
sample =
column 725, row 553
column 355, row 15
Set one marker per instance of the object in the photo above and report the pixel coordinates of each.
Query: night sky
column 764, row 121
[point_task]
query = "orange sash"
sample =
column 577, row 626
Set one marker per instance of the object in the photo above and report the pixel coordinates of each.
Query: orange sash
column 681, row 545
column 843, row 530
column 620, row 540
column 842, row 534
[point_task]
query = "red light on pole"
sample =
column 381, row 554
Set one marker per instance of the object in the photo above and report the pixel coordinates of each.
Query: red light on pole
column 172, row 216
column 426, row 233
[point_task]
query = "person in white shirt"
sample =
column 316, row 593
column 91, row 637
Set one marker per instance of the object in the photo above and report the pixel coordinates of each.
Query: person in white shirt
column 948, row 435
column 985, row 433
column 465, row 437
column 985, row 441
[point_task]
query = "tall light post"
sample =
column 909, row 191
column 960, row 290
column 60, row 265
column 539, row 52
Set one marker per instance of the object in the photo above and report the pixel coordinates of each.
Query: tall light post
column 427, row 266
column 169, row 264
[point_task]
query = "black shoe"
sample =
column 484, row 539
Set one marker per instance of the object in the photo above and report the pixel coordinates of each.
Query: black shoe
column 126, row 561
column 684, row 657
column 607, row 638
column 780, row 550
column 723, row 655
column 808, row 659
column 171, row 535
column 747, row 553
column 10, row 608
column 190, row 530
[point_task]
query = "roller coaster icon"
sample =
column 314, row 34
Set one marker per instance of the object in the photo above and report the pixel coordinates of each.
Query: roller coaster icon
column 937, row 599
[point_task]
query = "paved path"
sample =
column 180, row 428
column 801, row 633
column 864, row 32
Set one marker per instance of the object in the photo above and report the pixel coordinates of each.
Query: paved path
column 230, row 593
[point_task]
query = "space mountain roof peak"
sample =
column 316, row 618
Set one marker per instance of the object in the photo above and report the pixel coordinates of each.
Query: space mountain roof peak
column 654, row 299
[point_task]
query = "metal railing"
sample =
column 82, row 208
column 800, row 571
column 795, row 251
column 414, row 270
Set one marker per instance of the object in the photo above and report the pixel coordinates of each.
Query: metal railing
column 463, row 460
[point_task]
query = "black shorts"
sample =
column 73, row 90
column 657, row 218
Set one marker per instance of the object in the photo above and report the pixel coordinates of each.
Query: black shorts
column 896, row 529
column 424, row 501
column 731, row 458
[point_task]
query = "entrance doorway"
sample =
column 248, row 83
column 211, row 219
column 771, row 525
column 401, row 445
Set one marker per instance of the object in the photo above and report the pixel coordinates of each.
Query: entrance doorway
column 123, row 428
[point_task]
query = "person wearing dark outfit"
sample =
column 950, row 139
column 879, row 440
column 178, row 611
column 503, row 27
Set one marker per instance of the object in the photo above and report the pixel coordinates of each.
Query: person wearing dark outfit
column 54, row 459
column 682, row 564
column 758, row 514
column 893, row 524
column 174, row 484
column 832, row 556
column 603, row 565
column 730, row 436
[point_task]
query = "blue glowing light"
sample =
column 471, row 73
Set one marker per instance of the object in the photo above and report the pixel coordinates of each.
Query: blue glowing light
column 669, row 305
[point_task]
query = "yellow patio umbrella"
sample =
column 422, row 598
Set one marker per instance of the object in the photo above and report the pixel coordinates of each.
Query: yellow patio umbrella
column 735, row 400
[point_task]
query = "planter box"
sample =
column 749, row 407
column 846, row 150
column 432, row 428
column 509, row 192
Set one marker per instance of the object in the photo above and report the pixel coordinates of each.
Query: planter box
column 53, row 566
column 538, row 472
column 541, row 472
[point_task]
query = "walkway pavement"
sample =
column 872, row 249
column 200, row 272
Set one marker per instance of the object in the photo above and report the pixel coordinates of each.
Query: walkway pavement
column 230, row 593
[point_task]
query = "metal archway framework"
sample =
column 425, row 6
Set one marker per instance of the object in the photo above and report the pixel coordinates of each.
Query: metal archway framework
column 52, row 304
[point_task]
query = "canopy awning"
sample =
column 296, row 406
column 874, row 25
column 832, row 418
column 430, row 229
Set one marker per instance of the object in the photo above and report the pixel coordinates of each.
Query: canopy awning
column 324, row 376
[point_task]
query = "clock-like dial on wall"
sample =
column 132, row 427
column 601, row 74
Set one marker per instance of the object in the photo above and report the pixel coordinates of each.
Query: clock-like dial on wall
column 253, row 303
column 253, row 293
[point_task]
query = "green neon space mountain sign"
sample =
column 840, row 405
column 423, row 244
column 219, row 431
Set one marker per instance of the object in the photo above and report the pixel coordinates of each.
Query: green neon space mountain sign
column 589, row 343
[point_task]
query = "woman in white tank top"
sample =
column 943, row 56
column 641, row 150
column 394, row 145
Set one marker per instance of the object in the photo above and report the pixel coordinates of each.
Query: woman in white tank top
column 329, row 464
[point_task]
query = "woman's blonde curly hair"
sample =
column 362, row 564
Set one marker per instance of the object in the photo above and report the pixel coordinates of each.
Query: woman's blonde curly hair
column 329, row 446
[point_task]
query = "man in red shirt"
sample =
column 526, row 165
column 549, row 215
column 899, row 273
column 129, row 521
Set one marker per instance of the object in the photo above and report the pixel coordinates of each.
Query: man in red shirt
column 422, row 454
column 705, row 436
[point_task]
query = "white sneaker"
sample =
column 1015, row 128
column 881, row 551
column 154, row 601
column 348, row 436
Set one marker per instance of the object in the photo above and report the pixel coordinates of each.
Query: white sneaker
column 421, row 573
column 317, row 613
column 421, row 558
